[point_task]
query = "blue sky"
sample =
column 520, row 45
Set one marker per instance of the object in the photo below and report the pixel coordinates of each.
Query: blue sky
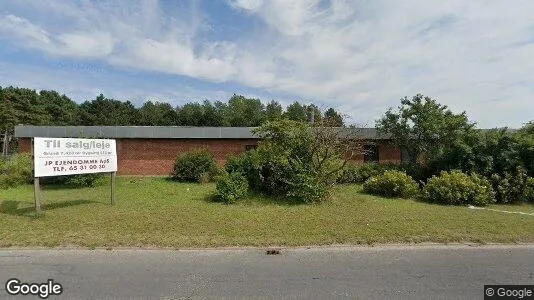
column 358, row 56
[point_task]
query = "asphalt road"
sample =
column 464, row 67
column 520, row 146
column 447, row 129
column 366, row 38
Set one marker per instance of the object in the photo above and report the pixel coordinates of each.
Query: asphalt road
column 420, row 272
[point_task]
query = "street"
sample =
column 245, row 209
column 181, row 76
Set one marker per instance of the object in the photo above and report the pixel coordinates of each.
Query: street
column 390, row 272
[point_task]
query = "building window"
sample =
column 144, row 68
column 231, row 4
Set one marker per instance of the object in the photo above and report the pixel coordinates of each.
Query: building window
column 370, row 153
column 405, row 156
column 250, row 147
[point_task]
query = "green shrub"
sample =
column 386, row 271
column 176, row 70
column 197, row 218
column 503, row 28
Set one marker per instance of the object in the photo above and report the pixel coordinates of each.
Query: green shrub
column 419, row 172
column 392, row 183
column 458, row 188
column 16, row 170
column 305, row 187
column 353, row 173
column 369, row 170
column 195, row 166
column 231, row 187
column 350, row 174
column 86, row 180
column 78, row 180
column 235, row 164
column 511, row 187
column 529, row 190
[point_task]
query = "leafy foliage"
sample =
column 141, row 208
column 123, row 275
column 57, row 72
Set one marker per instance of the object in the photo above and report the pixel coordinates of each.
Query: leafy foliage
column 16, row 170
column 297, row 112
column 107, row 112
column 422, row 126
column 78, row 180
column 529, row 190
column 194, row 166
column 157, row 114
column 489, row 152
column 231, row 187
column 273, row 111
column 294, row 160
column 47, row 107
column 458, row 188
column 353, row 173
column 333, row 117
column 511, row 187
column 391, row 183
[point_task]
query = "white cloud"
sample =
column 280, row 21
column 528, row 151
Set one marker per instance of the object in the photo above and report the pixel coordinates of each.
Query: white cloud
column 69, row 44
column 360, row 56
column 24, row 29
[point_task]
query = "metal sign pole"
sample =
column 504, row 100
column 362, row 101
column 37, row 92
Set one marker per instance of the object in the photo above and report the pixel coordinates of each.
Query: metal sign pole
column 37, row 191
column 113, row 175
column 36, row 187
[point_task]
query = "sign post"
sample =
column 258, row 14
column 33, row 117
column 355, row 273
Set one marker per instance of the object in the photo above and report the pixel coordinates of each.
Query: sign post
column 37, row 195
column 67, row 156
column 113, row 187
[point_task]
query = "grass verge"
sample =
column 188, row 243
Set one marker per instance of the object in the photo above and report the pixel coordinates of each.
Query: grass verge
column 157, row 212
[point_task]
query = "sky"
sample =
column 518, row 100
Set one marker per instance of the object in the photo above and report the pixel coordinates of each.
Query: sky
column 357, row 56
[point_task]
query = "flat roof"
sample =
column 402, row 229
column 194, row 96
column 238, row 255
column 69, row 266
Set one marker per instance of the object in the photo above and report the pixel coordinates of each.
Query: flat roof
column 159, row 132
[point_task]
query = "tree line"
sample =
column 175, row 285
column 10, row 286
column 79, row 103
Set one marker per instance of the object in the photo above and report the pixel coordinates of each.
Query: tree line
column 48, row 107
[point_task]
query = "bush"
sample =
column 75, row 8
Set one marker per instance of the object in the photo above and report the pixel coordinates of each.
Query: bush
column 235, row 164
column 78, row 180
column 195, row 166
column 350, row 174
column 529, row 190
column 511, row 187
column 419, row 172
column 458, row 188
column 391, row 184
column 231, row 187
column 306, row 187
column 16, row 170
column 353, row 173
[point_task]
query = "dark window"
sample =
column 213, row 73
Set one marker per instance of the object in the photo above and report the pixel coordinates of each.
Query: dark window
column 370, row 153
column 405, row 156
column 250, row 147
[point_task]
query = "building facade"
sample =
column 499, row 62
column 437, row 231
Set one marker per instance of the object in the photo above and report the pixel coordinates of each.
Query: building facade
column 152, row 150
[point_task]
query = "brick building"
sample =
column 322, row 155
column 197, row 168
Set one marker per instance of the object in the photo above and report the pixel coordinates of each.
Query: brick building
column 152, row 150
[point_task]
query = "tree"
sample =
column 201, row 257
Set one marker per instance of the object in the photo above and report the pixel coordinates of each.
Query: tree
column 528, row 128
column 25, row 106
column 422, row 126
column 298, row 160
column 312, row 109
column 222, row 112
column 61, row 109
column 273, row 111
column 108, row 112
column 296, row 112
column 245, row 112
column 157, row 114
column 211, row 115
column 190, row 114
column 333, row 118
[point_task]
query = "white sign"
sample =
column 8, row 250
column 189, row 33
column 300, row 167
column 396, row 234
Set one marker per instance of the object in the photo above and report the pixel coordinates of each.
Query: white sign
column 62, row 156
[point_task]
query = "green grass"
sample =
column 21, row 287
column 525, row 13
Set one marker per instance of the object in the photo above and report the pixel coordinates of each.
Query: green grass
column 157, row 212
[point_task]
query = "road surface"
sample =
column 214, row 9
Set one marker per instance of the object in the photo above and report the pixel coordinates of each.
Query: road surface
column 393, row 272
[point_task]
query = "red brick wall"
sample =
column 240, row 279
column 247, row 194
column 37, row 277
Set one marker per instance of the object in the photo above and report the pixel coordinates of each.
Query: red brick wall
column 25, row 145
column 387, row 153
column 157, row 156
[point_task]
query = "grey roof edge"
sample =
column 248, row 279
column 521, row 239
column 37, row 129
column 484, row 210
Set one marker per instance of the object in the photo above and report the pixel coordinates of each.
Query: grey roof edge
column 170, row 132
column 161, row 132
column 148, row 132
